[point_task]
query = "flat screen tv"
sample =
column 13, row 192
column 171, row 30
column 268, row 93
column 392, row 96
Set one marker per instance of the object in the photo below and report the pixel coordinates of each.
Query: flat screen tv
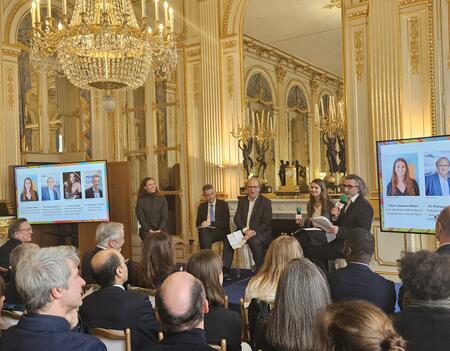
column 413, row 183
column 62, row 193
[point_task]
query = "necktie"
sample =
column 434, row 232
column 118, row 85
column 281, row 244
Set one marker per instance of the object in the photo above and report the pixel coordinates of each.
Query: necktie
column 211, row 213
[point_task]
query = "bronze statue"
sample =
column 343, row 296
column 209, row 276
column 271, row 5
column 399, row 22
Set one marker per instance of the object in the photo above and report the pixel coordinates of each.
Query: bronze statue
column 261, row 157
column 342, row 160
column 246, row 152
column 282, row 173
column 330, row 142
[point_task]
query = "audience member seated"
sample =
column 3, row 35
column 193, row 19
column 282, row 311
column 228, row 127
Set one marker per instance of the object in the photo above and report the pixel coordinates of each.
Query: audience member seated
column 51, row 287
column 360, row 326
column 180, row 306
column 220, row 323
column 425, row 319
column 2, row 293
column 158, row 260
column 302, row 296
column 109, row 235
column 263, row 285
column 19, row 232
column 357, row 281
column 442, row 232
column 13, row 299
column 114, row 307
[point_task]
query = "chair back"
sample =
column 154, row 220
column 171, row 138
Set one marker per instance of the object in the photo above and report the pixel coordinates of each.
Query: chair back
column 225, row 302
column 150, row 292
column 244, row 321
column 9, row 318
column 3, row 269
column 221, row 347
column 88, row 288
column 114, row 340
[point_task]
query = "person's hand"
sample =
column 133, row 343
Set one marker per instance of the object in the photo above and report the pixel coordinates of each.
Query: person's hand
column 299, row 221
column 335, row 211
column 205, row 224
column 72, row 318
column 334, row 229
column 248, row 234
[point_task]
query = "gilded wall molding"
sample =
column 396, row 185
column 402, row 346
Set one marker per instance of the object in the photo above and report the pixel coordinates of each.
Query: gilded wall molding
column 226, row 15
column 404, row 3
column 359, row 54
column 362, row 13
column 12, row 14
column 10, row 88
column 280, row 72
column 432, row 75
column 194, row 52
column 229, row 44
column 11, row 52
column 196, row 83
column 230, row 77
column 414, row 45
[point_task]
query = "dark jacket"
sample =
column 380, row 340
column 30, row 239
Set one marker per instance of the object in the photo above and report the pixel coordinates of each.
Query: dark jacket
column 152, row 213
column 433, row 185
column 260, row 220
column 50, row 333
column 116, row 308
column 221, row 323
column 13, row 300
column 189, row 340
column 424, row 328
column 221, row 215
column 89, row 193
column 5, row 251
column 358, row 282
column 260, row 337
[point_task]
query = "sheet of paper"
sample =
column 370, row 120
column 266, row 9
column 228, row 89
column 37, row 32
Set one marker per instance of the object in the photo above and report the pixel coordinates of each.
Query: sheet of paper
column 322, row 222
column 236, row 239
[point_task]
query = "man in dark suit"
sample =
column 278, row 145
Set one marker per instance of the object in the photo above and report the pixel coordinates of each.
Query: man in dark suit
column 49, row 192
column 254, row 218
column 213, row 221
column 19, row 232
column 116, row 308
column 51, row 287
column 357, row 213
column 94, row 191
column 438, row 183
column 357, row 281
column 180, row 306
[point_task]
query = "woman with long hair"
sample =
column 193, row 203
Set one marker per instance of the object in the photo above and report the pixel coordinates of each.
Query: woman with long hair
column 401, row 183
column 220, row 323
column 152, row 210
column 302, row 296
column 158, row 260
column 263, row 285
column 28, row 192
column 320, row 202
column 72, row 187
column 359, row 326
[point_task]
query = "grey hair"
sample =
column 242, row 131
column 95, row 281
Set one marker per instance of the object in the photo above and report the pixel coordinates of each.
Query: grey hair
column 361, row 183
column 20, row 251
column 41, row 271
column 107, row 231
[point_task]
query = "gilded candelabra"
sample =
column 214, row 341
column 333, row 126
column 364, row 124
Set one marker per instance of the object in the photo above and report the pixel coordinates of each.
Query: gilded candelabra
column 103, row 46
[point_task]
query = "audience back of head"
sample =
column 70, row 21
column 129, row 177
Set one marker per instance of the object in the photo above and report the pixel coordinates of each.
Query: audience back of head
column 359, row 326
column 20, row 251
column 181, row 303
column 110, row 234
column 158, row 259
column 206, row 266
column 426, row 275
column 302, row 295
column 104, row 266
column 443, row 226
column 359, row 245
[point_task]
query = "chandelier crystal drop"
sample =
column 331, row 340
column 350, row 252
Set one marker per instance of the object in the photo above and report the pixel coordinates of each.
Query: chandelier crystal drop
column 104, row 46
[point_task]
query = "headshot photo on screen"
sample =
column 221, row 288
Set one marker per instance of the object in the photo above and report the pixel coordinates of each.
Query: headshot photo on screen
column 28, row 193
column 93, row 185
column 437, row 181
column 403, row 177
column 72, row 185
column 50, row 187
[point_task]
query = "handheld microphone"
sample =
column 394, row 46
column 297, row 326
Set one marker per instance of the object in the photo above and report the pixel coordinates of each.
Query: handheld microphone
column 340, row 205
column 298, row 214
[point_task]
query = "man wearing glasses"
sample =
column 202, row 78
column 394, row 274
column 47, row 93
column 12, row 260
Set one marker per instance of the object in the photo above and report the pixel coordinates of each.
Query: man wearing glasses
column 114, row 307
column 357, row 213
column 19, row 232
column 438, row 183
column 254, row 218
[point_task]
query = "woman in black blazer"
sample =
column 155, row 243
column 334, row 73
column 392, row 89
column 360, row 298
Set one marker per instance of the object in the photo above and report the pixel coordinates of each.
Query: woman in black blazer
column 151, row 208
column 220, row 323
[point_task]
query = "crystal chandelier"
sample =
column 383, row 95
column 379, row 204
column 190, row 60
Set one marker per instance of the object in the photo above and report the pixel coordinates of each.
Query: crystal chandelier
column 104, row 46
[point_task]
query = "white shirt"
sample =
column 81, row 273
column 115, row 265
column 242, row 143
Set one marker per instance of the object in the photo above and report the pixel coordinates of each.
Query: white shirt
column 251, row 204
column 119, row 286
column 352, row 199
column 444, row 185
column 208, row 217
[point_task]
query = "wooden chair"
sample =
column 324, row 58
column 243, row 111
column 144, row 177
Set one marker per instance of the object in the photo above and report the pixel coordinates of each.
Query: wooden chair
column 9, row 318
column 225, row 302
column 114, row 340
column 150, row 292
column 245, row 323
column 221, row 347
column 3, row 270
column 92, row 286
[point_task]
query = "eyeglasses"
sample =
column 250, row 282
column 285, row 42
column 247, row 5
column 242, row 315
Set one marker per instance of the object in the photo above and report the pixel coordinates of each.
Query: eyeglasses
column 121, row 263
column 436, row 218
column 348, row 186
column 25, row 229
column 446, row 165
column 253, row 187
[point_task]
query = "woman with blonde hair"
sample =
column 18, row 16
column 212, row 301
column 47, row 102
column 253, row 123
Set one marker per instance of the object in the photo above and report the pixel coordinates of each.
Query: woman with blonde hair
column 359, row 326
column 220, row 323
column 263, row 285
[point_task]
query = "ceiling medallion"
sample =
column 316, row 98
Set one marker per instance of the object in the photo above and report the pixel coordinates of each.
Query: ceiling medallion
column 104, row 46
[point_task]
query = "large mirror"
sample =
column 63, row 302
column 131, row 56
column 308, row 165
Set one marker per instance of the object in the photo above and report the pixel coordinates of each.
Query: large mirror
column 293, row 61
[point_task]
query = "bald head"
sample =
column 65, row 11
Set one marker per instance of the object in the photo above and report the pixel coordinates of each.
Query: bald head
column 109, row 268
column 181, row 302
column 443, row 226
